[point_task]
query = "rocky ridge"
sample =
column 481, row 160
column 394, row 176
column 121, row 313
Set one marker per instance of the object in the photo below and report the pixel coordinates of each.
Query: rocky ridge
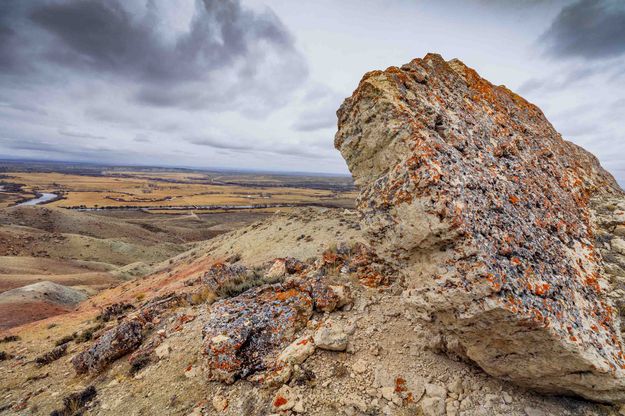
column 304, row 313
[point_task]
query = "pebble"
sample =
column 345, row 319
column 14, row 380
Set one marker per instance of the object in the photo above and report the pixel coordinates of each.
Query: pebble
column 331, row 337
column 220, row 403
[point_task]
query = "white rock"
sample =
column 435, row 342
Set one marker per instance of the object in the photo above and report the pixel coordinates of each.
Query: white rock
column 344, row 295
column 433, row 406
column 360, row 366
column 162, row 351
column 220, row 403
column 532, row 411
column 456, row 386
column 192, row 371
column 298, row 351
column 434, row 390
column 618, row 245
column 506, row 397
column 278, row 269
column 388, row 393
column 331, row 337
column 299, row 407
column 284, row 399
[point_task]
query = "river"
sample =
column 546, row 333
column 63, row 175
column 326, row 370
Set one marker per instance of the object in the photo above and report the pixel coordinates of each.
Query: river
column 45, row 197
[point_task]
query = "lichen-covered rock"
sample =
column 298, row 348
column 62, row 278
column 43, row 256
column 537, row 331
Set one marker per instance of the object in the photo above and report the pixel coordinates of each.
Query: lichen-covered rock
column 220, row 273
column 245, row 335
column 469, row 191
column 115, row 343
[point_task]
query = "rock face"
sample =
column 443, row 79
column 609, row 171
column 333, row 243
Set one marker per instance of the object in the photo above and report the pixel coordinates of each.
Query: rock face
column 468, row 190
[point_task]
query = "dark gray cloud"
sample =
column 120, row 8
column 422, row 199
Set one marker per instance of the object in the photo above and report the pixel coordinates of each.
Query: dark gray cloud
column 589, row 29
column 186, row 69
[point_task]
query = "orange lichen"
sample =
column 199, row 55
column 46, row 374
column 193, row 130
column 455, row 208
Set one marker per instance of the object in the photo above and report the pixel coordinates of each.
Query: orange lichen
column 280, row 401
column 400, row 385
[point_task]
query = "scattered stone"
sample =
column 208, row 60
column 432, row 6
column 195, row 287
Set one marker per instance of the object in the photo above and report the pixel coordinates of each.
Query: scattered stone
column 331, row 337
column 298, row 351
column 360, row 366
column 220, row 403
column 284, row 399
column 434, row 390
column 192, row 371
column 532, row 411
column 278, row 269
column 388, row 393
column 163, row 351
column 433, row 406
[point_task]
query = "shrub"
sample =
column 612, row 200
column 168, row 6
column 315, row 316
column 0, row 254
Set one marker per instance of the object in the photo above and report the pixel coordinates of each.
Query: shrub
column 87, row 334
column 204, row 295
column 74, row 403
column 66, row 339
column 9, row 338
column 244, row 282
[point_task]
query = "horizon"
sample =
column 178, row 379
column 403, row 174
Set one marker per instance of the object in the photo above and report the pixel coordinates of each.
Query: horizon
column 255, row 84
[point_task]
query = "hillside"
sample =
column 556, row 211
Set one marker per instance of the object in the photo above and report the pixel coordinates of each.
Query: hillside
column 89, row 251
column 482, row 273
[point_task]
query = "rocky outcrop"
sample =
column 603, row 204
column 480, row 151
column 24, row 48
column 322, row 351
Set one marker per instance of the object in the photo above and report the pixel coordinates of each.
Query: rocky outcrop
column 246, row 335
column 126, row 337
column 115, row 343
column 471, row 193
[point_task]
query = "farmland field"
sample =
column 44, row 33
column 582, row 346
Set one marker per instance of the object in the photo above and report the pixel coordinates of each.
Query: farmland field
column 162, row 189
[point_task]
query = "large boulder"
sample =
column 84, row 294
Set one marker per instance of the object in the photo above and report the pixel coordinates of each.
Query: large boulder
column 473, row 195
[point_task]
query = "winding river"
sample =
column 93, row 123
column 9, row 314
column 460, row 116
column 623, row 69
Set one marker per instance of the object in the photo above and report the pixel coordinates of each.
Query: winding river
column 45, row 197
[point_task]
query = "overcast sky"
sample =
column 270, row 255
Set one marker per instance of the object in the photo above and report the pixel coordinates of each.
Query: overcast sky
column 255, row 84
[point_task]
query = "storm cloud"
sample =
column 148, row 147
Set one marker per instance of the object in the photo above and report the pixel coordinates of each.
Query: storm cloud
column 589, row 29
column 225, row 52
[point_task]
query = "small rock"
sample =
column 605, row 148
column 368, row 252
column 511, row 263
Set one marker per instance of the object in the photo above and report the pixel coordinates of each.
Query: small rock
column 298, row 351
column 433, row 406
column 456, row 386
column 388, row 393
column 299, row 407
column 434, row 390
column 283, row 400
column 532, row 411
column 331, row 337
column 162, row 351
column 220, row 403
column 618, row 245
column 506, row 397
column 344, row 295
column 278, row 269
column 192, row 371
column 360, row 366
